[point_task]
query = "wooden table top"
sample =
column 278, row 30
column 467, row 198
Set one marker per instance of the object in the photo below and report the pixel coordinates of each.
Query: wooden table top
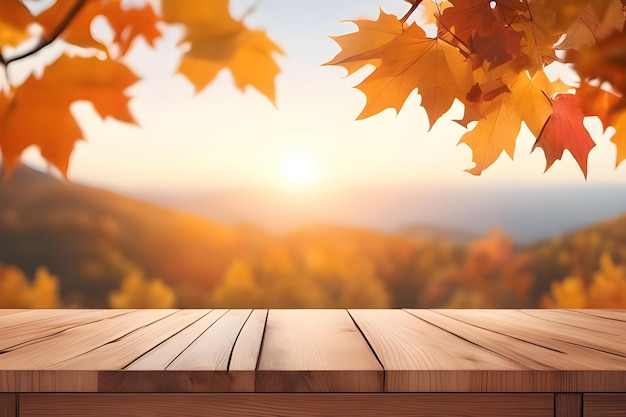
column 312, row 351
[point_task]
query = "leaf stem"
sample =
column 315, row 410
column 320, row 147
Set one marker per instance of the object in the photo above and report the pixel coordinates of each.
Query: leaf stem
column 47, row 41
column 410, row 12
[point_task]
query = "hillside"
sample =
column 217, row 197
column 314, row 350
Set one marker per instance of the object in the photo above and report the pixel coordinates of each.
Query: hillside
column 99, row 243
column 93, row 238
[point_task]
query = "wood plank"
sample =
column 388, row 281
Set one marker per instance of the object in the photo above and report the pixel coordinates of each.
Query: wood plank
column 211, row 350
column 407, row 345
column 120, row 352
column 287, row 405
column 47, row 352
column 42, row 324
column 618, row 315
column 572, row 333
column 6, row 311
column 201, row 364
column 8, row 405
column 48, row 381
column 316, row 351
column 599, row 349
column 585, row 322
column 531, row 355
column 568, row 405
column 604, row 405
column 162, row 355
column 248, row 345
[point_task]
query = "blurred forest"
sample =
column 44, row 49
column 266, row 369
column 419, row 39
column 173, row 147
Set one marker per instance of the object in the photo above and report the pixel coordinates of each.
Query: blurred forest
column 64, row 245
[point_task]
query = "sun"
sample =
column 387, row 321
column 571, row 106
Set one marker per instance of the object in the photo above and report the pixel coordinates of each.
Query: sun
column 299, row 168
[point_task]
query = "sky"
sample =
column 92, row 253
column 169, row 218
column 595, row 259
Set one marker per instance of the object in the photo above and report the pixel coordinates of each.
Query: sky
column 225, row 138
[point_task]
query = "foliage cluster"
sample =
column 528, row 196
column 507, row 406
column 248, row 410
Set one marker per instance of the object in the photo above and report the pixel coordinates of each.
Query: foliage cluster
column 489, row 55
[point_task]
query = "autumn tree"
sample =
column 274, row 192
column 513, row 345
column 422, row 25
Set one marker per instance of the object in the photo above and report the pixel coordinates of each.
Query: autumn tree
column 138, row 292
column 16, row 291
column 492, row 275
column 606, row 290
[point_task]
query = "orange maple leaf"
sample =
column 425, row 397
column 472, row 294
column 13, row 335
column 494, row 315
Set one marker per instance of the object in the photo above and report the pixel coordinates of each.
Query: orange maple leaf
column 126, row 23
column 218, row 41
column 14, row 19
column 410, row 60
column 564, row 130
column 47, row 100
column 78, row 29
column 497, row 132
column 605, row 61
column 371, row 34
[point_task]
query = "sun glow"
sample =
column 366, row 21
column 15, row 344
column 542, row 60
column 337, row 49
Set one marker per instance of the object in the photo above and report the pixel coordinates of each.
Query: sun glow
column 299, row 168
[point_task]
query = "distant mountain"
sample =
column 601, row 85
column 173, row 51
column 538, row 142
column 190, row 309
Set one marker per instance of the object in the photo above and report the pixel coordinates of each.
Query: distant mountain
column 92, row 238
column 422, row 231
column 528, row 213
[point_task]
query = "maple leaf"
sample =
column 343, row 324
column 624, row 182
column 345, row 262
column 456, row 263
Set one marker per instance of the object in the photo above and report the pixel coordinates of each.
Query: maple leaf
column 468, row 17
column 496, row 48
column 564, row 130
column 218, row 41
column 126, row 23
column 14, row 20
column 588, row 27
column 370, row 35
column 538, row 25
column 413, row 60
column 598, row 102
column 605, row 61
column 48, row 100
column 497, row 132
column 78, row 28
column 131, row 23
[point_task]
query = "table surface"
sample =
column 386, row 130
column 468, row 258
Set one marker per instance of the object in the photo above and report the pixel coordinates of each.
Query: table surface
column 313, row 350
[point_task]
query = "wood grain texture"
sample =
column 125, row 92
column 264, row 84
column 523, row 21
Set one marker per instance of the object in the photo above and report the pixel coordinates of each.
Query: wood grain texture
column 174, row 381
column 288, row 405
column 248, row 346
column 568, row 405
column 42, row 323
column 211, row 350
column 407, row 345
column 47, row 352
column 120, row 352
column 590, row 349
column 604, row 405
column 159, row 357
column 8, row 405
column 618, row 315
column 48, row 381
column 316, row 350
column 36, row 324
column 11, row 311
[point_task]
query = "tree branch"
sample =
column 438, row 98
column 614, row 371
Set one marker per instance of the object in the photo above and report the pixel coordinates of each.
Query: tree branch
column 410, row 12
column 53, row 37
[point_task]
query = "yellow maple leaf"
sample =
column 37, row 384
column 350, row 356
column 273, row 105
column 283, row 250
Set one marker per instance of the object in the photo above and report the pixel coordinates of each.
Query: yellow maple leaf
column 497, row 132
column 413, row 60
column 371, row 34
column 14, row 19
column 218, row 41
column 48, row 100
